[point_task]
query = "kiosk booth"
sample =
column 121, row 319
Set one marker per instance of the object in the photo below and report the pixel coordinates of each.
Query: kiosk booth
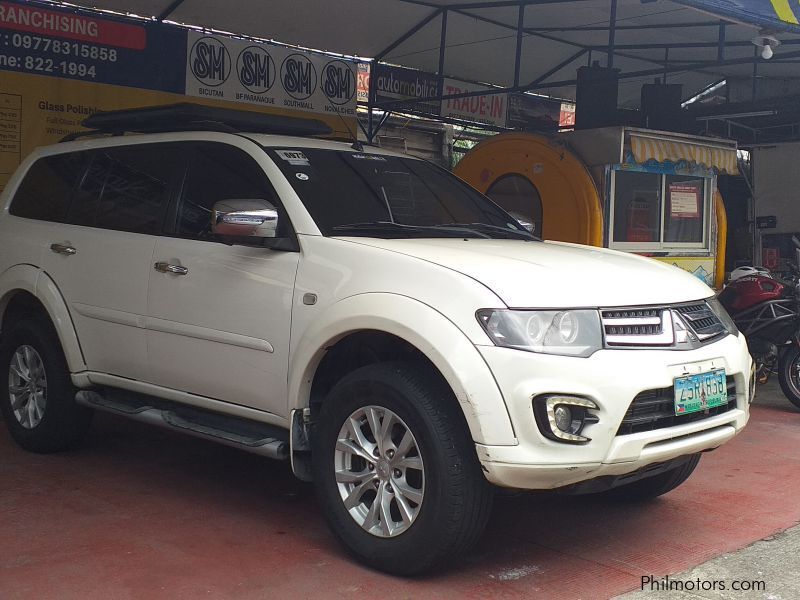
column 649, row 192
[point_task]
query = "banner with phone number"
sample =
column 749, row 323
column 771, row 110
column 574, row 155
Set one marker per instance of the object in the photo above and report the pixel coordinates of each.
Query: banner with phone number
column 59, row 65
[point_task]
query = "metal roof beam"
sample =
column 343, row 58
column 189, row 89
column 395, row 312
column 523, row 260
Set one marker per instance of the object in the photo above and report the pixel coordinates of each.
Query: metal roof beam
column 518, row 52
column 710, row 65
column 660, row 46
column 612, row 31
column 571, row 82
column 500, row 4
column 557, row 68
column 583, row 28
column 173, row 6
column 408, row 33
column 535, row 33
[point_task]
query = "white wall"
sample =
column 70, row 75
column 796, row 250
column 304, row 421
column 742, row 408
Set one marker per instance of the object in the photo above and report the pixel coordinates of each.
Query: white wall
column 776, row 178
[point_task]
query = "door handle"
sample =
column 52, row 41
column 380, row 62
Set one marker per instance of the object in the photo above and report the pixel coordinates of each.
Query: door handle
column 65, row 249
column 164, row 267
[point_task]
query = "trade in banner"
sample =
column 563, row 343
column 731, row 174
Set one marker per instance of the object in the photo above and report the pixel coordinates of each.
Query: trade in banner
column 489, row 109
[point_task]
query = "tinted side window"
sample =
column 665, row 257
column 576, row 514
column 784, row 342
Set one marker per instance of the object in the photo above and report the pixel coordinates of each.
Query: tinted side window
column 128, row 188
column 47, row 188
column 83, row 210
column 220, row 172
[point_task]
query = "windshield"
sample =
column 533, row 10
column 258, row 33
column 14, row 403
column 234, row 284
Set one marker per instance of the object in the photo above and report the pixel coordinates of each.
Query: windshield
column 358, row 194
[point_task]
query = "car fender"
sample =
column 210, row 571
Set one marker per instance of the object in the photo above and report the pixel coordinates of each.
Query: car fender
column 430, row 332
column 33, row 280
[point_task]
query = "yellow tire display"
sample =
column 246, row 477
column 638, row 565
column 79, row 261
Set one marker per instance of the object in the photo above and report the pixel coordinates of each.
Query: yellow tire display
column 571, row 205
column 722, row 240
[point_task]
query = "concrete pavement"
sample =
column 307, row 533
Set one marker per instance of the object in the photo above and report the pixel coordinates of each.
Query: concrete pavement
column 139, row 512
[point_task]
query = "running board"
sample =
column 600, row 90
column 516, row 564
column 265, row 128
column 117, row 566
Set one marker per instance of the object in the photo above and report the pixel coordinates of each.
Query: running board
column 251, row 436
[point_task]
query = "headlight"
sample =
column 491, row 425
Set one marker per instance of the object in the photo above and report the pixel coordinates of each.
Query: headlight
column 564, row 332
column 716, row 307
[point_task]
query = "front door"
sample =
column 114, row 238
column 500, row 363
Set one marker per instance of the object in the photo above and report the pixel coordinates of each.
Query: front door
column 219, row 315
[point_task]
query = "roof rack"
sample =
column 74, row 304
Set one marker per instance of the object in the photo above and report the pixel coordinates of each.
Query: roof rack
column 186, row 116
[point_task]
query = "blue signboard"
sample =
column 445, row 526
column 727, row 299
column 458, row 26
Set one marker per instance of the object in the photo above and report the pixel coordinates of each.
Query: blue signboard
column 75, row 45
column 774, row 14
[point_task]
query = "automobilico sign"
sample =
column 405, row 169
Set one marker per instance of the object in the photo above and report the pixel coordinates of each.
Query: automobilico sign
column 268, row 75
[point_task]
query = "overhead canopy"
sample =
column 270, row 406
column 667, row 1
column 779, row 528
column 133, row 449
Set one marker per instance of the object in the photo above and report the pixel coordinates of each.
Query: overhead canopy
column 782, row 14
column 649, row 147
column 695, row 43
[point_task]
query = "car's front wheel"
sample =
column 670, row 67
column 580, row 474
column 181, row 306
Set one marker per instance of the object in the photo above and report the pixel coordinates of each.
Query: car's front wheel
column 396, row 471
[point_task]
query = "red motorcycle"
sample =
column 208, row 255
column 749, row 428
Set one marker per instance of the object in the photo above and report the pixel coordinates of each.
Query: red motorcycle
column 767, row 311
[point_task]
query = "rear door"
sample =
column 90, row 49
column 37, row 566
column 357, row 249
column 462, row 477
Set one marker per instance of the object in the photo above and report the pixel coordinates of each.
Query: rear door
column 100, row 258
column 219, row 317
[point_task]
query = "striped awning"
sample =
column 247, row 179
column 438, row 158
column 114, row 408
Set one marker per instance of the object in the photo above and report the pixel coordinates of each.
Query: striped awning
column 722, row 158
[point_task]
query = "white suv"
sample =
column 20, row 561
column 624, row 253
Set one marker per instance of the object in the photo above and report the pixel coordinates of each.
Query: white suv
column 366, row 315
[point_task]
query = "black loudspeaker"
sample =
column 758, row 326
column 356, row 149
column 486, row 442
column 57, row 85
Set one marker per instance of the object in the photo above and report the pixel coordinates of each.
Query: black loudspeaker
column 661, row 106
column 596, row 96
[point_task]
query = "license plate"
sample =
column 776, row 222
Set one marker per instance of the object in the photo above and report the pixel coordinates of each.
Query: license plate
column 694, row 393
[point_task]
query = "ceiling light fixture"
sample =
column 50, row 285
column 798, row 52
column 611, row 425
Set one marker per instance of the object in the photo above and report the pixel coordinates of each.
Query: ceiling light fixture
column 767, row 43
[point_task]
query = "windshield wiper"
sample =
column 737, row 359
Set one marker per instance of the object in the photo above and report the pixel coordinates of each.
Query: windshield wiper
column 486, row 227
column 402, row 230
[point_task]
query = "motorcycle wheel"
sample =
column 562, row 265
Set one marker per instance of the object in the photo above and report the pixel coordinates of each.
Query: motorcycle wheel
column 789, row 374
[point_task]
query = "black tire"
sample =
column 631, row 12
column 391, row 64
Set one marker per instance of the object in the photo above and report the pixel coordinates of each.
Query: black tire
column 63, row 423
column 457, row 498
column 789, row 374
column 652, row 487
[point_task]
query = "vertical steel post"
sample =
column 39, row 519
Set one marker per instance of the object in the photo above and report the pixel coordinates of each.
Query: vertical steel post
column 518, row 58
column 612, row 31
column 721, row 42
column 442, row 46
column 756, row 50
column 666, row 65
column 371, row 96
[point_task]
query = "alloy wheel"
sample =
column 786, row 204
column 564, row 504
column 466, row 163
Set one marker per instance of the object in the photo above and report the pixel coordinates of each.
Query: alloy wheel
column 27, row 386
column 379, row 471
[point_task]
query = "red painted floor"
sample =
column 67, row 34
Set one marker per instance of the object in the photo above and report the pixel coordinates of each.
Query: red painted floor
column 142, row 513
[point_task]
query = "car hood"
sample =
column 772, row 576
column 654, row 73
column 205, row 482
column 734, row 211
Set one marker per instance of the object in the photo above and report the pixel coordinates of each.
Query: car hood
column 554, row 274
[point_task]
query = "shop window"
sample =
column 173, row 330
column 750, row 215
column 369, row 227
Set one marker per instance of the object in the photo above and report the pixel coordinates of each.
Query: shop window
column 683, row 221
column 652, row 211
column 637, row 207
column 520, row 198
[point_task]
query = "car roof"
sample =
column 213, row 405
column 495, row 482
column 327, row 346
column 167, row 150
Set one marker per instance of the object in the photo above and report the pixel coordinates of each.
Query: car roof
column 264, row 140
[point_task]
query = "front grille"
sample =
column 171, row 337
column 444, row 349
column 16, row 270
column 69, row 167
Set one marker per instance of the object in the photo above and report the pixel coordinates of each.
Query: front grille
column 655, row 409
column 702, row 320
column 681, row 325
column 636, row 327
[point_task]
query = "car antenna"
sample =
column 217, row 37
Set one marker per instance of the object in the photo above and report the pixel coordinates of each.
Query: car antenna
column 356, row 145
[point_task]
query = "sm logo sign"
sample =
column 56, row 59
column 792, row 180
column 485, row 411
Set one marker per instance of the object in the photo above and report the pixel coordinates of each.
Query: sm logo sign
column 256, row 69
column 338, row 82
column 210, row 61
column 298, row 76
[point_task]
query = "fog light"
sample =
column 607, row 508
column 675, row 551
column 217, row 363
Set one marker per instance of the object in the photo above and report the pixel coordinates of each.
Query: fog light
column 563, row 418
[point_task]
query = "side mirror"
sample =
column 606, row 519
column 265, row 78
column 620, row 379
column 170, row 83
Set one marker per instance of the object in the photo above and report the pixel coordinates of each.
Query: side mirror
column 244, row 218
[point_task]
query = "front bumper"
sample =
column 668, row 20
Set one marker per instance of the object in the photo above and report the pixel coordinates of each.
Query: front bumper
column 612, row 379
